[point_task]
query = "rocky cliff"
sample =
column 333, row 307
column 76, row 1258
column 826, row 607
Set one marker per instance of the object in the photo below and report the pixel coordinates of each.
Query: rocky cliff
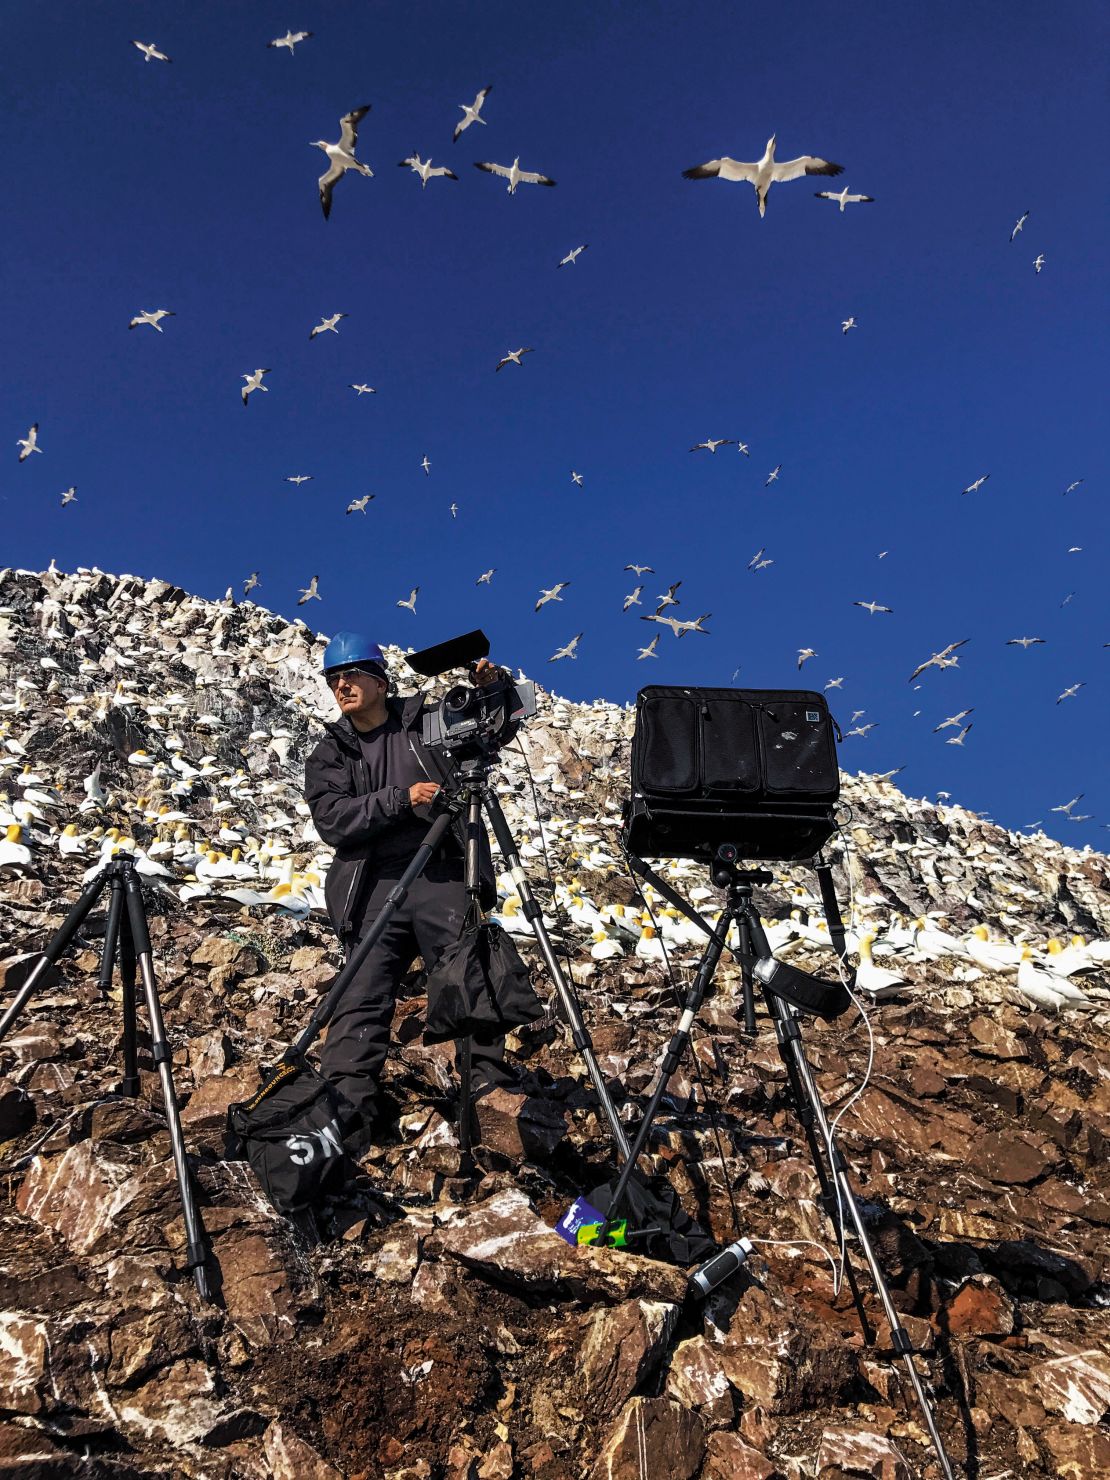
column 439, row 1328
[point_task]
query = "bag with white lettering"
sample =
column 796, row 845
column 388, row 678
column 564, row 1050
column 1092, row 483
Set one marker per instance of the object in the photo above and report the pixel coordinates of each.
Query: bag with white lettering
column 289, row 1132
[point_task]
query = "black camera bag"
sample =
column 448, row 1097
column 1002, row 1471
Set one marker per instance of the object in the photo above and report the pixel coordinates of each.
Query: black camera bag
column 754, row 767
column 289, row 1132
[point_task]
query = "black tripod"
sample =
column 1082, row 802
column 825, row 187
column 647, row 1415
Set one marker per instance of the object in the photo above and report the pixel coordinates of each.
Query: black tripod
column 128, row 936
column 784, row 990
column 466, row 798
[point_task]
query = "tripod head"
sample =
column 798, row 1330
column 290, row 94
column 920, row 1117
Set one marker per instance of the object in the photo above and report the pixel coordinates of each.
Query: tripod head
column 727, row 875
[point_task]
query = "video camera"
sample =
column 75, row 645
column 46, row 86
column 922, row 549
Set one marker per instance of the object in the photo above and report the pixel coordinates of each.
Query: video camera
column 472, row 720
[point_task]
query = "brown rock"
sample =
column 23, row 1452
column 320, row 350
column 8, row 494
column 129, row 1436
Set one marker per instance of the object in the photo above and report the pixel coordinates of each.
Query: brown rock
column 727, row 1457
column 15, row 970
column 697, row 1380
column 140, row 1344
column 232, row 958
column 1079, row 1452
column 1007, row 1157
column 204, row 1118
column 980, row 1308
column 518, row 1127
column 780, row 1357
column 1077, row 1387
column 499, row 1463
column 291, row 1458
column 24, row 1362
column 506, row 1240
column 995, row 1041
column 858, row 1452
column 652, row 1439
column 623, row 1348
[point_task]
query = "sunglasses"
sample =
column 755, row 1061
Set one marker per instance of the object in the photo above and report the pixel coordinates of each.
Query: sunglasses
column 332, row 679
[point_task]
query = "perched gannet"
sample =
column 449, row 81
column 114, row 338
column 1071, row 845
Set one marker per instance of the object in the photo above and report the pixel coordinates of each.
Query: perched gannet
column 842, row 196
column 310, row 592
column 14, row 854
column 150, row 52
column 328, row 325
column 550, row 594
column 1037, row 985
column 991, row 955
column 875, row 981
column 253, row 383
column 359, row 504
column 29, row 443
column 152, row 317
column 763, row 173
column 572, row 256
column 471, row 112
column 1075, row 957
column 423, row 168
column 568, row 651
column 649, row 947
column 513, row 173
column 605, row 948
column 341, row 155
column 290, row 39
column 512, row 358
column 365, row 390
column 410, row 604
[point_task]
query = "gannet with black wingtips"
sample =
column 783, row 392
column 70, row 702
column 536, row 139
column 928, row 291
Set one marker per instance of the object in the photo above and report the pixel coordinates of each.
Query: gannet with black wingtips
column 341, row 155
column 764, row 172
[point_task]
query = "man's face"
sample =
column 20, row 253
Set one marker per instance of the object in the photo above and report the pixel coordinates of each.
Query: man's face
column 355, row 693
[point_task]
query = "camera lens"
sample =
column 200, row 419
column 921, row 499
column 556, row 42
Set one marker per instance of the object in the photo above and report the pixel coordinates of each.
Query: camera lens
column 456, row 700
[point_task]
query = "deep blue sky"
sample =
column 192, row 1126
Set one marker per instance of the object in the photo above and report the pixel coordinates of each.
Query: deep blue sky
column 133, row 185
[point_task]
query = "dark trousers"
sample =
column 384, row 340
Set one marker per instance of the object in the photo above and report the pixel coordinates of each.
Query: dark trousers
column 354, row 1051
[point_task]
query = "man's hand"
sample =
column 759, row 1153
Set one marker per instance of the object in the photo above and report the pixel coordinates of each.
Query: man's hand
column 421, row 792
column 486, row 672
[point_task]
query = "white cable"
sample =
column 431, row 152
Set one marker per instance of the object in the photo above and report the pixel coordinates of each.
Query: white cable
column 793, row 1243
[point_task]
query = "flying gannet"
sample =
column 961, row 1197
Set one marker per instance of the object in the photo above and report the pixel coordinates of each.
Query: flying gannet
column 454, row 511
column 251, row 582
column 680, row 629
column 744, row 448
column 846, row 324
column 804, row 655
column 29, row 443
column 1070, row 693
column 254, row 383
column 953, row 719
column 426, row 465
column 632, row 599
column 958, row 739
column 1038, row 262
column 297, row 478
column 547, row 595
column 365, row 390
column 711, row 444
column 873, row 607
column 670, row 599
column 290, row 39
column 512, row 358
column 328, row 325
column 572, row 256
column 1066, row 807
column 641, row 570
column 1025, row 642
column 649, row 651
column 359, row 504
column 975, row 487
column 772, row 477
column 310, row 593
column 423, row 168
column 568, row 651
column 943, row 659
column 471, row 112
column 341, row 155
column 1072, row 486
column 835, row 683
column 513, row 173
column 842, row 196
column 153, row 318
column 487, row 576
column 765, row 172
column 1019, row 224
column 150, row 52
column 69, row 495
column 410, row 604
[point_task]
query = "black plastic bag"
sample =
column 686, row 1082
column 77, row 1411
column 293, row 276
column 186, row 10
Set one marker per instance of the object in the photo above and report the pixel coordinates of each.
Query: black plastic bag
column 290, row 1133
column 654, row 1204
column 479, row 986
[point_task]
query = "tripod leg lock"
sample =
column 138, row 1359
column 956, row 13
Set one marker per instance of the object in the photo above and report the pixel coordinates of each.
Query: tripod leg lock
column 900, row 1341
column 161, row 1053
column 194, row 1255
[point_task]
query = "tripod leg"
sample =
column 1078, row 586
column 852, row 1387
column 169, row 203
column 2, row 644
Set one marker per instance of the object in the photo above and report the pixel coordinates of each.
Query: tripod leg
column 53, row 949
column 140, row 940
column 130, row 1082
column 671, row 1059
column 466, row 1100
column 746, row 975
column 533, row 914
column 899, row 1337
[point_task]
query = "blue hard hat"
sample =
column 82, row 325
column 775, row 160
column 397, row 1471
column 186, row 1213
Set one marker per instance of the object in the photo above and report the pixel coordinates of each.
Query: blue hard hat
column 347, row 648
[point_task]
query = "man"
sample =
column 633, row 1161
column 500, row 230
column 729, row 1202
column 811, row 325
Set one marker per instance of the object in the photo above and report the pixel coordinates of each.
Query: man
column 370, row 784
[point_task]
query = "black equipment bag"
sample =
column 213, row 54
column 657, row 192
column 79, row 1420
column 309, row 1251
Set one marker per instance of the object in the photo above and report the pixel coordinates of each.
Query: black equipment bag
column 479, row 985
column 754, row 767
column 289, row 1131
column 658, row 1224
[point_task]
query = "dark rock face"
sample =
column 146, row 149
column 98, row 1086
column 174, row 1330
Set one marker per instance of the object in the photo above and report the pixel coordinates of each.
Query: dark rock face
column 438, row 1328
